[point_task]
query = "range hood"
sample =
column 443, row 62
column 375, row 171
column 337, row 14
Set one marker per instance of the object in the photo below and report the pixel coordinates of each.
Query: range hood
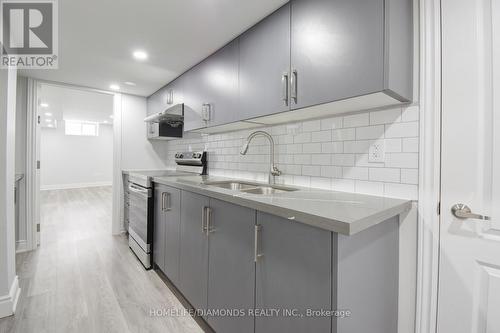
column 166, row 125
column 173, row 115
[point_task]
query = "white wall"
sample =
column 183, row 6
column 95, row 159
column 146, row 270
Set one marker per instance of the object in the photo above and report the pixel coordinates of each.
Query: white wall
column 9, row 288
column 69, row 161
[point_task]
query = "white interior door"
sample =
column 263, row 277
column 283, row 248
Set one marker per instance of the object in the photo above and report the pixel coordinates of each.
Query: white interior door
column 469, row 274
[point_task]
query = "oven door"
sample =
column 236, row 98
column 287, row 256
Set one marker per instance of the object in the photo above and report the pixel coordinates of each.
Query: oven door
column 140, row 199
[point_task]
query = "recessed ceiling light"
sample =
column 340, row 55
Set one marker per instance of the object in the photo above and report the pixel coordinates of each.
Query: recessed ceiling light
column 114, row 87
column 48, row 114
column 105, row 122
column 128, row 83
column 44, row 105
column 50, row 125
column 111, row 116
column 140, row 55
column 48, row 120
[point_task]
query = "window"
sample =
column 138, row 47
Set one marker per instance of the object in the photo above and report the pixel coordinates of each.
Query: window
column 83, row 128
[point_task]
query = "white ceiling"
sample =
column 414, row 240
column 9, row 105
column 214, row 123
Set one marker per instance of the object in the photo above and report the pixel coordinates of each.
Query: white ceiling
column 97, row 38
column 73, row 104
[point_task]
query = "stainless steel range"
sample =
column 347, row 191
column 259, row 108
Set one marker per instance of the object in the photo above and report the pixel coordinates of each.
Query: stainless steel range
column 140, row 201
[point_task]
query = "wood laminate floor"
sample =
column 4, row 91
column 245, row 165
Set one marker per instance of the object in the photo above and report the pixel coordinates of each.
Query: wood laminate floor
column 83, row 279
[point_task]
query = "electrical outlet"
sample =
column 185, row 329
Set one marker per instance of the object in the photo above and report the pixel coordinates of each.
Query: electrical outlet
column 377, row 152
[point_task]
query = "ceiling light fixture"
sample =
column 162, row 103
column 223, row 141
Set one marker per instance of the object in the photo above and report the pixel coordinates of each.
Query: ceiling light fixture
column 48, row 120
column 111, row 116
column 129, row 83
column 48, row 114
column 140, row 55
column 114, row 87
column 44, row 105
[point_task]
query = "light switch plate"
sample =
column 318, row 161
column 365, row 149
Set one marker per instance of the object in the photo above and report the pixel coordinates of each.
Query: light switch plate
column 376, row 153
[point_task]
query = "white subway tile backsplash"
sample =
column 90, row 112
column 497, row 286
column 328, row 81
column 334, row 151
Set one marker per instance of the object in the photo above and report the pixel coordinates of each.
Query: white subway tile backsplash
column 311, row 148
column 311, row 126
column 401, row 130
column 410, row 145
column 355, row 173
column 409, row 176
column 321, row 136
column 385, row 174
column 370, row 132
column 344, row 134
column 330, row 153
column 311, row 170
column 331, row 123
column 385, row 116
column 401, row 160
column 357, row 120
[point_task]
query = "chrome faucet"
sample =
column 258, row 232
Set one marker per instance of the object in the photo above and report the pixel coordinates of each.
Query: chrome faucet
column 273, row 170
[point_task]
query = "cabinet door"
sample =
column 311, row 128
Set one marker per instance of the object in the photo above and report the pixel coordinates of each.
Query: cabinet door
column 194, row 93
column 337, row 49
column 264, row 66
column 231, row 275
column 214, row 83
column 166, row 97
column 294, row 272
column 172, row 233
column 194, row 250
column 159, row 227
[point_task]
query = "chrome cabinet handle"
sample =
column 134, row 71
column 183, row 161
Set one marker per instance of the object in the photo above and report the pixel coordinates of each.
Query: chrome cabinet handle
column 293, row 85
column 256, row 254
column 168, row 202
column 462, row 211
column 284, row 85
column 162, row 201
column 209, row 229
column 203, row 227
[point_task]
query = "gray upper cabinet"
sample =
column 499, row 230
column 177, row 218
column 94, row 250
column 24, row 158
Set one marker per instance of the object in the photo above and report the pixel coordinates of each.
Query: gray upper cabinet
column 194, row 249
column 171, row 94
column 231, row 272
column 293, row 272
column 211, row 89
column 344, row 48
column 265, row 66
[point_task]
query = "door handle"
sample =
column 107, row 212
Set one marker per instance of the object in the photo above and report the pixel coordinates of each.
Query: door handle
column 203, row 227
column 256, row 254
column 462, row 211
column 162, row 201
column 293, row 85
column 284, row 86
column 168, row 202
column 209, row 229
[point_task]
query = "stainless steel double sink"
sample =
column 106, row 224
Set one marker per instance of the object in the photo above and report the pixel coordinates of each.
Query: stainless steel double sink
column 250, row 187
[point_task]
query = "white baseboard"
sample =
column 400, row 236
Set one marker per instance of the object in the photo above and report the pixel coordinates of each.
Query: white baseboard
column 21, row 246
column 8, row 303
column 75, row 185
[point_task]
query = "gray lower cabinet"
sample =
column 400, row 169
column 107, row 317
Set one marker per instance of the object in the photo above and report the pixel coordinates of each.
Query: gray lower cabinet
column 194, row 249
column 166, row 240
column 265, row 66
column 231, row 271
column 293, row 273
column 159, row 227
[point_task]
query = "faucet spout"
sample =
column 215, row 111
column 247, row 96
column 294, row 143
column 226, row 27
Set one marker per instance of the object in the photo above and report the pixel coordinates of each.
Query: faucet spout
column 273, row 169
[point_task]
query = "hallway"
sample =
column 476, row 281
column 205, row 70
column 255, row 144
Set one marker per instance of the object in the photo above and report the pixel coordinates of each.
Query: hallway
column 83, row 279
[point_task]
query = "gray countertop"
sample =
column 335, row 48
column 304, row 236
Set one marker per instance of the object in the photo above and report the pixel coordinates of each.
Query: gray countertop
column 342, row 212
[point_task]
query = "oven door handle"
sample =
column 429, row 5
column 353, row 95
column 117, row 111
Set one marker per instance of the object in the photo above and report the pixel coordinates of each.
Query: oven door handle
column 136, row 189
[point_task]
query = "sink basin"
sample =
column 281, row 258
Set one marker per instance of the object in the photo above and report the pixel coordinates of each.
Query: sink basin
column 232, row 185
column 252, row 188
column 267, row 190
